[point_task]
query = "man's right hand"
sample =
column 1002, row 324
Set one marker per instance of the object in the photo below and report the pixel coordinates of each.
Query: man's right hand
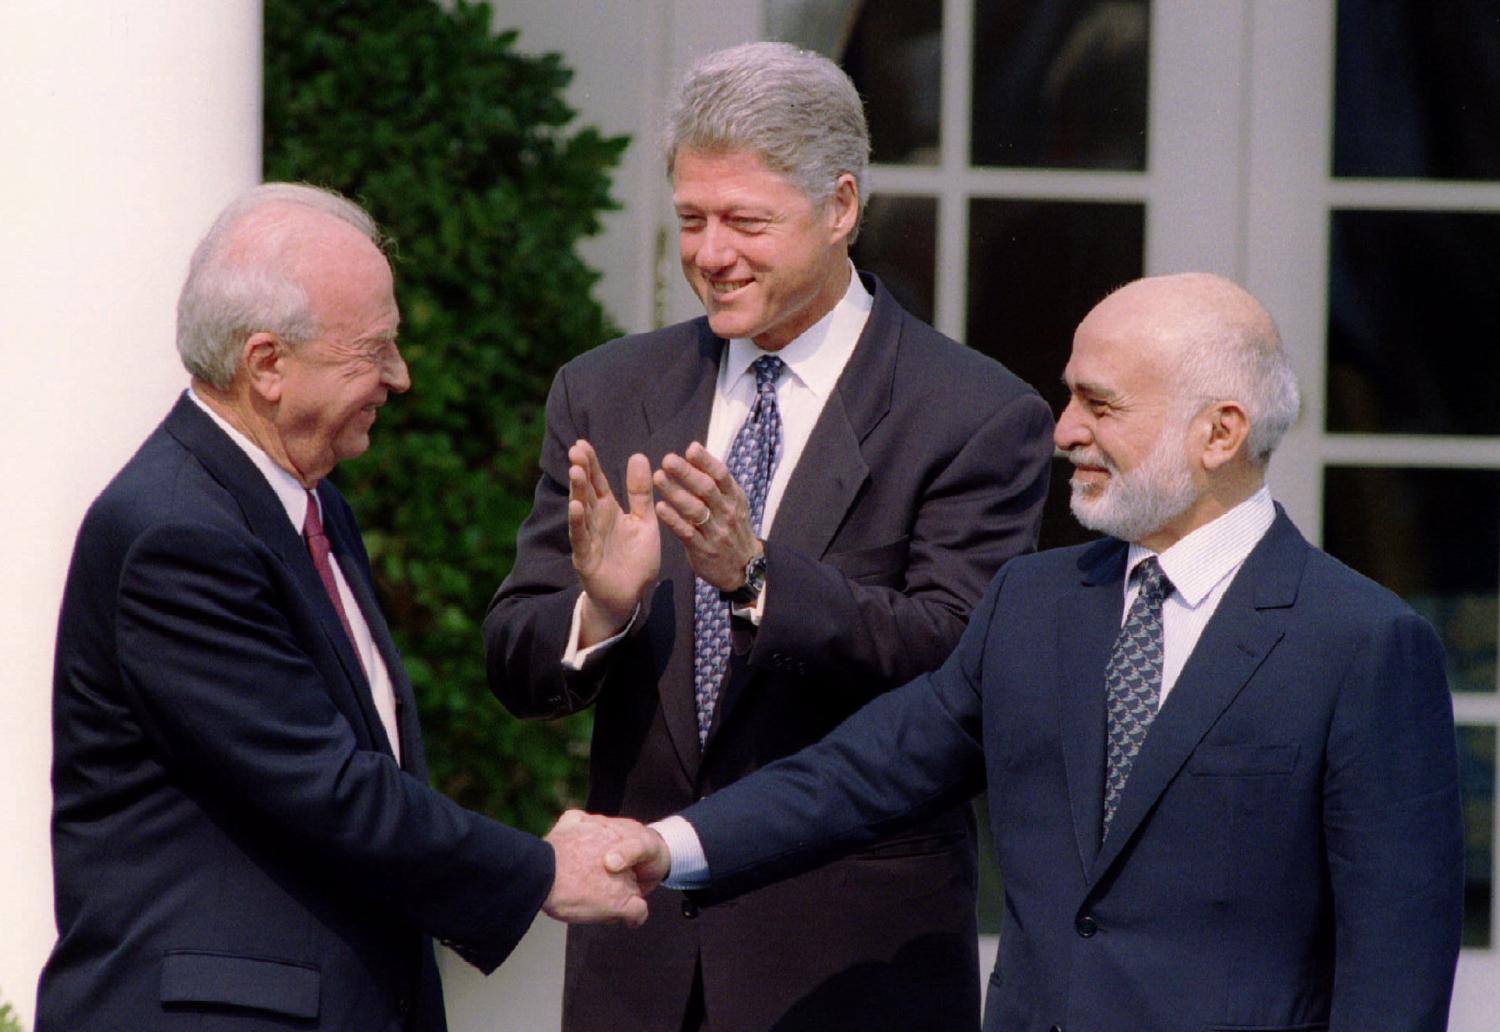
column 617, row 553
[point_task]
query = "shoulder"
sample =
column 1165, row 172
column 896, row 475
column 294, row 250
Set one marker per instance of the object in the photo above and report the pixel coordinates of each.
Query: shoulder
column 929, row 362
column 1336, row 594
column 1036, row 576
column 637, row 354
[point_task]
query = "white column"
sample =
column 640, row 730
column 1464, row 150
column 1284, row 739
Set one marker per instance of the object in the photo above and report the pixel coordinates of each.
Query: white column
column 126, row 125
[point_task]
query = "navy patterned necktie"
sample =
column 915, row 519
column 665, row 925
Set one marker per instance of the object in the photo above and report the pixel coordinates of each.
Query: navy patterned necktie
column 1132, row 681
column 752, row 459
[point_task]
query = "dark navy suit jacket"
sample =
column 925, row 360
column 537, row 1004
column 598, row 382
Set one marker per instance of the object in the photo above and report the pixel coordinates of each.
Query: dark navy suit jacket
column 1288, row 850
column 234, row 845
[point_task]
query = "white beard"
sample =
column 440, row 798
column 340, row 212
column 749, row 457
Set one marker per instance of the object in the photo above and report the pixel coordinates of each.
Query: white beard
column 1135, row 504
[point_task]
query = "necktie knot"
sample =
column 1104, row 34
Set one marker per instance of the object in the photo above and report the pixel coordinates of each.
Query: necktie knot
column 1155, row 586
column 767, row 369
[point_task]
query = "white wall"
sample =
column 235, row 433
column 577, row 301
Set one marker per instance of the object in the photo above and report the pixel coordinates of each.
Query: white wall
column 126, row 125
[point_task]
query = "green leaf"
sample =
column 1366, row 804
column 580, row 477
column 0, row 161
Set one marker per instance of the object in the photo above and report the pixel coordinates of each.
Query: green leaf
column 462, row 147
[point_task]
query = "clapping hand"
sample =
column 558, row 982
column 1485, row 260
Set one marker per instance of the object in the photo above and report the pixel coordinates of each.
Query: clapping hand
column 616, row 552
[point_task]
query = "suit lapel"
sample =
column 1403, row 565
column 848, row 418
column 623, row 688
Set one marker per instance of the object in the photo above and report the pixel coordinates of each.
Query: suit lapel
column 676, row 411
column 1087, row 621
column 267, row 520
column 1250, row 620
column 832, row 468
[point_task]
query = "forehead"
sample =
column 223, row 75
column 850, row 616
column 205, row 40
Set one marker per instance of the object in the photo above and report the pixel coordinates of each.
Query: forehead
column 715, row 178
column 1117, row 351
column 348, row 279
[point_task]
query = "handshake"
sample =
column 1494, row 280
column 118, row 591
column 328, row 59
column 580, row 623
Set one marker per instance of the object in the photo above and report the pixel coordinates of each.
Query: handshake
column 606, row 867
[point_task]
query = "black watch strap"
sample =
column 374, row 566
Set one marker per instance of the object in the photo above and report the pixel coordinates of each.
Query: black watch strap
column 755, row 582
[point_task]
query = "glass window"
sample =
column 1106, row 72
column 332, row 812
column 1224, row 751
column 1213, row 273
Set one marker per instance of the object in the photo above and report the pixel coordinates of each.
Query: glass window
column 1417, row 89
column 1412, row 322
column 1060, row 83
column 1476, row 770
column 1035, row 270
column 895, row 57
column 898, row 242
column 1433, row 537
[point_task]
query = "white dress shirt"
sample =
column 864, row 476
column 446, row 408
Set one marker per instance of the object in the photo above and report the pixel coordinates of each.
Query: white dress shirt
column 814, row 363
column 1201, row 567
column 293, row 498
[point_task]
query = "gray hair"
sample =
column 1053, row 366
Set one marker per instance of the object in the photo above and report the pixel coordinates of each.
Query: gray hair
column 796, row 109
column 1241, row 358
column 241, row 279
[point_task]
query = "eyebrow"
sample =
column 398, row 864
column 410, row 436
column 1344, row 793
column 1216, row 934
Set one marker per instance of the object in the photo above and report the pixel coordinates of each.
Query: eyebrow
column 1093, row 390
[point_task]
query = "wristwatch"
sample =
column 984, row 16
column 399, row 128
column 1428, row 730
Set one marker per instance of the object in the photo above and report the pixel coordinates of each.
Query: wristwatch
column 755, row 582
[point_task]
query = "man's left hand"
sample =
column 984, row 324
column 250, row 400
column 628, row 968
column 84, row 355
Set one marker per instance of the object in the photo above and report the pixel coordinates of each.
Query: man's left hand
column 708, row 512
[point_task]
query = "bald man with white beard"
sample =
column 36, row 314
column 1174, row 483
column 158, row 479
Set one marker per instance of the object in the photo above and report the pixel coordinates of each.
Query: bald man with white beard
column 1221, row 767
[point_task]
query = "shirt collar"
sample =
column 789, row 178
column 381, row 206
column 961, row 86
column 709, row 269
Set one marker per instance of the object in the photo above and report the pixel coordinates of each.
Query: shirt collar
column 289, row 491
column 819, row 355
column 1209, row 554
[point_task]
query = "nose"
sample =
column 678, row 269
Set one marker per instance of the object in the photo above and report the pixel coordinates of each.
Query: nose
column 714, row 251
column 396, row 375
column 1072, row 429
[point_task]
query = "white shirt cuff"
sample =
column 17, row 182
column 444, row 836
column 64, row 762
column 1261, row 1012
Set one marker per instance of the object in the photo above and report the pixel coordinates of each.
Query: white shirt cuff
column 689, row 865
column 755, row 612
column 574, row 657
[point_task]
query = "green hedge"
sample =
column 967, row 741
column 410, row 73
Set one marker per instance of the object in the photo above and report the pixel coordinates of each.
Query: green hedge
column 459, row 145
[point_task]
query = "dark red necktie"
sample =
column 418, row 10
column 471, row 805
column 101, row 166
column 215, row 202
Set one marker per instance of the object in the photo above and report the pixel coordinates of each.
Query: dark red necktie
column 317, row 544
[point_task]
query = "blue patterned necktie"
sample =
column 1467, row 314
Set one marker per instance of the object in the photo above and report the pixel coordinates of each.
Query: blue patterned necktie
column 1132, row 681
column 752, row 460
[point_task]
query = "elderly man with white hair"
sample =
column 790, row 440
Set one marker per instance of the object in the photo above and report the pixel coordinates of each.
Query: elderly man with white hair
column 243, row 836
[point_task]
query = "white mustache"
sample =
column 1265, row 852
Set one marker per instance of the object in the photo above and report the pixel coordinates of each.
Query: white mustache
column 1081, row 456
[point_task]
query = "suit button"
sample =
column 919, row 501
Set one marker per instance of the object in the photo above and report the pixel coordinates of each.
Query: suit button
column 1055, row 1028
column 1087, row 926
column 689, row 908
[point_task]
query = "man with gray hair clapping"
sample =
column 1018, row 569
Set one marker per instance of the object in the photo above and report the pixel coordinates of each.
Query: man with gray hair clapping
column 837, row 482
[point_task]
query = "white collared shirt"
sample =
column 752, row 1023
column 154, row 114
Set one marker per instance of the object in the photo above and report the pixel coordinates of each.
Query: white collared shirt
column 814, row 363
column 1201, row 566
column 293, row 497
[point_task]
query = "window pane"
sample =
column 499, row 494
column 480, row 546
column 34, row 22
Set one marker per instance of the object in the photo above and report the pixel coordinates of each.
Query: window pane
column 1417, row 89
column 1476, row 772
column 1061, row 83
column 895, row 57
column 1035, row 270
column 1433, row 537
column 892, row 49
column 898, row 242
column 1412, row 322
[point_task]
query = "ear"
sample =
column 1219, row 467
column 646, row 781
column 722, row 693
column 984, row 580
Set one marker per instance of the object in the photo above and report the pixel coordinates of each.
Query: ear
column 844, row 207
column 1228, row 428
column 263, row 357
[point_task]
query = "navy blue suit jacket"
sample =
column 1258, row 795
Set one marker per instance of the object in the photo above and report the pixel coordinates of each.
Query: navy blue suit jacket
column 1288, row 850
column 234, row 844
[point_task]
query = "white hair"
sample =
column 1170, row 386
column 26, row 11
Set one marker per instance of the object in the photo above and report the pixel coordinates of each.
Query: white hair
column 242, row 282
column 1245, row 362
column 796, row 109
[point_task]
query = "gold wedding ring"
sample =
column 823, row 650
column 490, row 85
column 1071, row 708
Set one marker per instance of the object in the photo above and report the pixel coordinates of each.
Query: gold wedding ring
column 707, row 515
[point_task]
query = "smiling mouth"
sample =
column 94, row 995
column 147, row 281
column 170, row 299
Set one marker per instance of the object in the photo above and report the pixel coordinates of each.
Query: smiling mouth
column 723, row 287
